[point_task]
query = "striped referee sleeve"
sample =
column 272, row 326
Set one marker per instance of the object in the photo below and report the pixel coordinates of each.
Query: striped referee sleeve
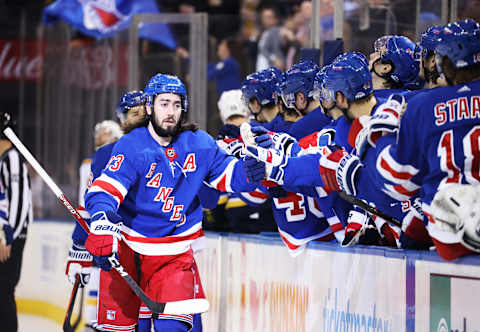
column 15, row 180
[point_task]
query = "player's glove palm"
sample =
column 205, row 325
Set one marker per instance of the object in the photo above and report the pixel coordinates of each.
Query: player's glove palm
column 105, row 234
column 456, row 210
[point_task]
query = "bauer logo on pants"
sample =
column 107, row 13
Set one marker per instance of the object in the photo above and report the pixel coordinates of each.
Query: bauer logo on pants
column 111, row 314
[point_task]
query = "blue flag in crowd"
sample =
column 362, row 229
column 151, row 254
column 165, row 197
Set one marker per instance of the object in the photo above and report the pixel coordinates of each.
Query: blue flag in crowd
column 104, row 18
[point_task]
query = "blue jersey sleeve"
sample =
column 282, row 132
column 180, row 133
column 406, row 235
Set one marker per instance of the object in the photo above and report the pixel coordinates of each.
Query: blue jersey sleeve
column 303, row 171
column 226, row 173
column 208, row 197
column 399, row 162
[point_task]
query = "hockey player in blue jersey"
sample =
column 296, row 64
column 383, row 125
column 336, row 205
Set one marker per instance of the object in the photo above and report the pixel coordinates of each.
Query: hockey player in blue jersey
column 130, row 109
column 260, row 97
column 444, row 125
column 260, row 93
column 145, row 205
column 298, row 216
column 301, row 215
column 395, row 64
column 349, row 84
column 297, row 92
column 131, row 114
column 428, row 69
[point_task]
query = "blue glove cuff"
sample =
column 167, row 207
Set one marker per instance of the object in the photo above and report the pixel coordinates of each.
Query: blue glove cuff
column 103, row 262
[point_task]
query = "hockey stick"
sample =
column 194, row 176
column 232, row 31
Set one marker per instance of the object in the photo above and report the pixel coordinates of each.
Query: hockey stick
column 67, row 326
column 364, row 206
column 191, row 306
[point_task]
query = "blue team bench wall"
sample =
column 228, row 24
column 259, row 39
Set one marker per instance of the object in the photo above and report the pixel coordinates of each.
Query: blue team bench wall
column 394, row 289
column 275, row 239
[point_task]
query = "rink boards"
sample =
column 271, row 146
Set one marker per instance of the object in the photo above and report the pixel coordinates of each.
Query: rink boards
column 254, row 285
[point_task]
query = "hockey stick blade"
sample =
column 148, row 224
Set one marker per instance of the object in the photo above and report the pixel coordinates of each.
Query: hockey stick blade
column 67, row 327
column 191, row 306
column 364, row 206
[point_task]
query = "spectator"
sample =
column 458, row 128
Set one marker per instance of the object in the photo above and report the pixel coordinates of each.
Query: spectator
column 226, row 72
column 270, row 51
column 301, row 24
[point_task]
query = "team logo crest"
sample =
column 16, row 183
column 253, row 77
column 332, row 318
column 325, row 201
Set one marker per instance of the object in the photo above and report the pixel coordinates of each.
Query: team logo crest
column 101, row 15
column 171, row 153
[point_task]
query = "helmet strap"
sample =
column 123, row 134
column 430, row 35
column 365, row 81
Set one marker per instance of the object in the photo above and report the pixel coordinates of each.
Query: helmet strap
column 326, row 110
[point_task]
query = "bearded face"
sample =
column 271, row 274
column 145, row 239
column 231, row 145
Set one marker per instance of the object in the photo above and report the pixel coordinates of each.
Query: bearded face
column 166, row 114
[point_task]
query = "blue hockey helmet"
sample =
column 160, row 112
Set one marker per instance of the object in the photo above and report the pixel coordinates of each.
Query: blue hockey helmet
column 429, row 40
column 319, row 83
column 277, row 77
column 164, row 83
column 261, row 86
column 351, row 55
column 299, row 78
column 272, row 77
column 460, row 42
column 129, row 100
column 350, row 75
column 402, row 54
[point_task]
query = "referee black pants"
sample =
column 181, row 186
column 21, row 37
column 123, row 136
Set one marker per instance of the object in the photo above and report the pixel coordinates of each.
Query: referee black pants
column 9, row 276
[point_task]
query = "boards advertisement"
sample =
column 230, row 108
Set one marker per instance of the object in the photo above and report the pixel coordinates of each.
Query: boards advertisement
column 447, row 297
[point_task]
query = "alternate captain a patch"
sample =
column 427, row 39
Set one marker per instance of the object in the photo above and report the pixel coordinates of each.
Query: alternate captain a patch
column 190, row 163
